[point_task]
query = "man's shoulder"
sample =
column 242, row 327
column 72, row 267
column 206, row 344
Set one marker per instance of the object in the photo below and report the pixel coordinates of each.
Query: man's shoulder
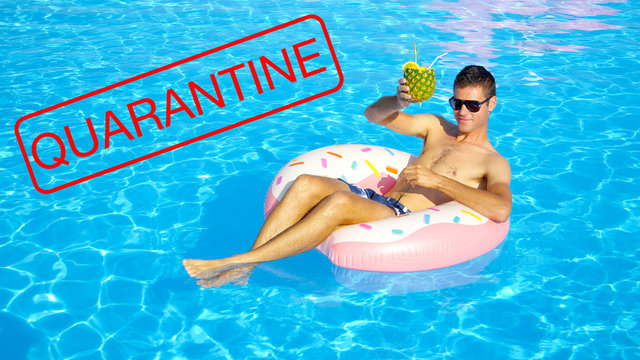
column 495, row 161
column 491, row 153
column 444, row 123
column 438, row 125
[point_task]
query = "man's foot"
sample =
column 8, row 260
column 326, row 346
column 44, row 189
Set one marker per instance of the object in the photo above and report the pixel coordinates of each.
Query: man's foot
column 238, row 275
column 206, row 269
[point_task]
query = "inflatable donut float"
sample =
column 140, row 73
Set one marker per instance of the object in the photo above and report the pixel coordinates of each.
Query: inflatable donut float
column 434, row 238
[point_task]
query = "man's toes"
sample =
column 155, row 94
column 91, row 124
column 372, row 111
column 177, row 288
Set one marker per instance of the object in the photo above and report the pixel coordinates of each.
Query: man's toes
column 190, row 262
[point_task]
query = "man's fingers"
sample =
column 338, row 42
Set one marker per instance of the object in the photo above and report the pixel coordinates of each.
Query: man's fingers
column 403, row 93
column 403, row 88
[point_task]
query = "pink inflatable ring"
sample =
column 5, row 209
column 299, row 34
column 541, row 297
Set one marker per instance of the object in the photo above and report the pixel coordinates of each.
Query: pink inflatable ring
column 442, row 236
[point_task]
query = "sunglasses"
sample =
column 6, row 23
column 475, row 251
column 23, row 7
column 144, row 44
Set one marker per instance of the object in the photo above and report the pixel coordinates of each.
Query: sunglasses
column 472, row 105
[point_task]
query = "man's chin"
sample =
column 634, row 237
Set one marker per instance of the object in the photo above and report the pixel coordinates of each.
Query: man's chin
column 465, row 126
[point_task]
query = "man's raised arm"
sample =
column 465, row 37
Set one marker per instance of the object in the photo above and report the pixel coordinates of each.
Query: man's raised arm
column 386, row 109
column 386, row 112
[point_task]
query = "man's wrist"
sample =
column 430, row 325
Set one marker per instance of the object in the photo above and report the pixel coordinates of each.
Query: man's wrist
column 439, row 181
column 400, row 104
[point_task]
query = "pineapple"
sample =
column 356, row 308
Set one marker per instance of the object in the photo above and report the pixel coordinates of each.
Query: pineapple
column 421, row 81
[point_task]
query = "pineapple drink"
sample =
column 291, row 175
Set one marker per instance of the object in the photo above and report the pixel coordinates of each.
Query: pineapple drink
column 421, row 80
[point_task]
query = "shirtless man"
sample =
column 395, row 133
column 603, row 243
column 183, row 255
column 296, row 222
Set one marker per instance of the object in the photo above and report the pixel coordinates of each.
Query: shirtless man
column 457, row 162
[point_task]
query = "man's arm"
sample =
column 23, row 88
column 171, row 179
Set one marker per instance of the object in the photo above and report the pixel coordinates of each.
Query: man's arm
column 386, row 112
column 494, row 203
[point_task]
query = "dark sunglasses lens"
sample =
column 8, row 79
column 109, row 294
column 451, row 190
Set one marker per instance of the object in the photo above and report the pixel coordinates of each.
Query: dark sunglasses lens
column 456, row 104
column 473, row 106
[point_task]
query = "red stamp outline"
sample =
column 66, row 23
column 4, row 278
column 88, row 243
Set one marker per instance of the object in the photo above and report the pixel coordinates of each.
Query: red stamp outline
column 197, row 138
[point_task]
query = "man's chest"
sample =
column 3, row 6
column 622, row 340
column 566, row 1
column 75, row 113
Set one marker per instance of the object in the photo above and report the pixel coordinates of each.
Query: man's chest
column 461, row 163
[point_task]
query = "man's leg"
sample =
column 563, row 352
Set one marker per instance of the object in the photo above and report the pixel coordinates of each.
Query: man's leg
column 340, row 208
column 305, row 193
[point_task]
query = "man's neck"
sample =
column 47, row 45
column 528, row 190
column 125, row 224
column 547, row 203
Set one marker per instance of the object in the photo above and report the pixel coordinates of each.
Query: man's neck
column 476, row 137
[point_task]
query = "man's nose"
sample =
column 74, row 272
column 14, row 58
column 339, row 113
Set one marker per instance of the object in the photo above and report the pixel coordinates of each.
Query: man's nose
column 463, row 110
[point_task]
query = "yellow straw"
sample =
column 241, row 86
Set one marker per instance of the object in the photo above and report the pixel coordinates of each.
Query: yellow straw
column 415, row 51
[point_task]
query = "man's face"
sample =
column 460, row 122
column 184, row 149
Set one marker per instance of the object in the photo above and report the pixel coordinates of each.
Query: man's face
column 469, row 121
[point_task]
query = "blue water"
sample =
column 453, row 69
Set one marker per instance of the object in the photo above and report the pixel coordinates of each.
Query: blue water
column 94, row 271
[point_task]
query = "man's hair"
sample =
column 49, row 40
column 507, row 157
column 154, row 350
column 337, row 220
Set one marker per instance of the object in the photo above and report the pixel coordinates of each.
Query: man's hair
column 476, row 75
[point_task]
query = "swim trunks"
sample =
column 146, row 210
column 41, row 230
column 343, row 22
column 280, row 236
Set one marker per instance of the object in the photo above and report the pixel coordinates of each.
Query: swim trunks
column 394, row 204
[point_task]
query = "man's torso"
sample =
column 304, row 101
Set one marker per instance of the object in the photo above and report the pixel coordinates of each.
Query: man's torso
column 465, row 163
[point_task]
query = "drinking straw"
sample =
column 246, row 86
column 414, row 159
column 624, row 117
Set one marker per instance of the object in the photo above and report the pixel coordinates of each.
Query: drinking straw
column 434, row 60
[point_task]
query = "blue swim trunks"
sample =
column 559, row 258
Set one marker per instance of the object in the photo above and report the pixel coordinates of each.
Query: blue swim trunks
column 387, row 201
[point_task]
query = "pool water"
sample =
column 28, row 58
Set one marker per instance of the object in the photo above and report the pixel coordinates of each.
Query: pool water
column 93, row 271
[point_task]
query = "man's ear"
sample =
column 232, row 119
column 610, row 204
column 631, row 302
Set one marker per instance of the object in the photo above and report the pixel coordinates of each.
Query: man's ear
column 492, row 103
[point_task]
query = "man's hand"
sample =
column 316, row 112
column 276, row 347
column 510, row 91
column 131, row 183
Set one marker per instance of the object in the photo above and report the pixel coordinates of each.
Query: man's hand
column 404, row 99
column 418, row 175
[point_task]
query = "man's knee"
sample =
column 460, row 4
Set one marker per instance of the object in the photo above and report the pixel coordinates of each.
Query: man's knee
column 306, row 187
column 339, row 206
column 304, row 184
column 339, row 201
column 306, row 180
column 314, row 186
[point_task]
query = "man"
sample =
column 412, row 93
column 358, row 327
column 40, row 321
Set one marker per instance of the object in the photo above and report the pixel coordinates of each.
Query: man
column 457, row 162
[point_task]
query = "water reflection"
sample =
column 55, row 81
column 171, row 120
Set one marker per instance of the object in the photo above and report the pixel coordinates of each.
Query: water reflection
column 404, row 283
column 476, row 22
